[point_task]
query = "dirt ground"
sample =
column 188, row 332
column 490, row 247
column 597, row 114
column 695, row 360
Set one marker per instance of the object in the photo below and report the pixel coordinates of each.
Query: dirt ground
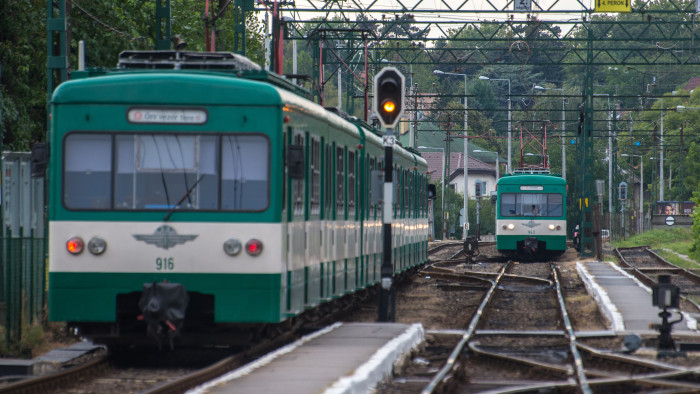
column 438, row 307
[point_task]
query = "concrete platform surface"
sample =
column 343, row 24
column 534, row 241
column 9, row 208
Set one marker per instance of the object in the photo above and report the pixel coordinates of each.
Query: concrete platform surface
column 342, row 358
column 625, row 300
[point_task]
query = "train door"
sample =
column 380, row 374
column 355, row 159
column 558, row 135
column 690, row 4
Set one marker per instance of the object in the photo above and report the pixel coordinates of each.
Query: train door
column 327, row 220
column 339, row 229
column 313, row 224
column 296, row 251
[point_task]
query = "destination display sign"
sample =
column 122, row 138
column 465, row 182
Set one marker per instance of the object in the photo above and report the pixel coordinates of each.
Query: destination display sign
column 167, row 116
column 531, row 188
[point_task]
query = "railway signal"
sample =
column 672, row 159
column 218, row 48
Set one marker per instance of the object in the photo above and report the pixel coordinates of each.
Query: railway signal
column 389, row 96
column 388, row 105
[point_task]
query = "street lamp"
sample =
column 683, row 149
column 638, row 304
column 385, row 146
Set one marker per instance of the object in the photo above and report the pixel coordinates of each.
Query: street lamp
column 466, row 153
column 563, row 132
column 641, row 188
column 509, row 169
column 444, row 222
column 495, row 153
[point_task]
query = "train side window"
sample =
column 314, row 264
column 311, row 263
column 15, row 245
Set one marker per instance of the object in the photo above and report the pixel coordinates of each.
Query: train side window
column 411, row 192
column 298, row 184
column 369, row 186
column 351, row 183
column 315, row 176
column 340, row 181
column 328, row 187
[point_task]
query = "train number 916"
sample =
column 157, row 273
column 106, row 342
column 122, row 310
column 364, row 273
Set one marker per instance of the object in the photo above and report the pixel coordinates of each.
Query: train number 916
column 165, row 264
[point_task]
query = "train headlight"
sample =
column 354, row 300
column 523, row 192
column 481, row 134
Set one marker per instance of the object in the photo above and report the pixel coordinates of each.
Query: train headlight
column 75, row 245
column 253, row 247
column 552, row 227
column 97, row 245
column 510, row 226
column 232, row 247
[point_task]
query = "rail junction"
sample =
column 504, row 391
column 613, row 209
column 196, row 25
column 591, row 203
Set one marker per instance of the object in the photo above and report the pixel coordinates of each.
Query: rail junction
column 464, row 326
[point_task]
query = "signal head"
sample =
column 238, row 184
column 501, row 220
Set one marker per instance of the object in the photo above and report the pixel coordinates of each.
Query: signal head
column 389, row 96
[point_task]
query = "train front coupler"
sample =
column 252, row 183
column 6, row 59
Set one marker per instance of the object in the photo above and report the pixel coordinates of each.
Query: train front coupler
column 163, row 306
column 531, row 245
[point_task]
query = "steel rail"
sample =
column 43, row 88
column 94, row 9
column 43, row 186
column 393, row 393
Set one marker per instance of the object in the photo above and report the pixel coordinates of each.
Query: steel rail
column 58, row 379
column 578, row 360
column 454, row 356
column 646, row 279
column 564, row 371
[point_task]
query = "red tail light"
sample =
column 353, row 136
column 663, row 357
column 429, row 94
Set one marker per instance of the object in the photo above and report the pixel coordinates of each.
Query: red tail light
column 75, row 245
column 254, row 247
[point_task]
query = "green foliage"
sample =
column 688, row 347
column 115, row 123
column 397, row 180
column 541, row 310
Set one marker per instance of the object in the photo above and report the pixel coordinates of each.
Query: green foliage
column 32, row 337
column 454, row 202
column 23, row 70
column 657, row 238
column 695, row 249
column 107, row 28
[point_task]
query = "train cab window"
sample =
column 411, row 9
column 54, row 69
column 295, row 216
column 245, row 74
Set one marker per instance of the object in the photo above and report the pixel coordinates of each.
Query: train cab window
column 351, row 183
column 166, row 171
column 315, row 162
column 532, row 204
column 245, row 173
column 156, row 171
column 88, row 171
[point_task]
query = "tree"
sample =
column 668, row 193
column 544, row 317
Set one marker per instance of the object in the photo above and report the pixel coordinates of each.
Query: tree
column 107, row 28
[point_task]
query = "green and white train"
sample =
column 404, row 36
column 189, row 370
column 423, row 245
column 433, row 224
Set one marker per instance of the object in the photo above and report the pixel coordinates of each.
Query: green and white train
column 531, row 214
column 195, row 197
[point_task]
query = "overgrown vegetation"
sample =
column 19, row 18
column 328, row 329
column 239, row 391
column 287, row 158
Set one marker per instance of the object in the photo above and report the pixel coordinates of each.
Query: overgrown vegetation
column 678, row 242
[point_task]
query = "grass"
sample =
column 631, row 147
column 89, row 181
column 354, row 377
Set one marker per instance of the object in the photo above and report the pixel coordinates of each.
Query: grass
column 678, row 240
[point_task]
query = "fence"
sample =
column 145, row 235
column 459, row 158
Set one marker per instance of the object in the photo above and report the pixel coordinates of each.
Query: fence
column 23, row 245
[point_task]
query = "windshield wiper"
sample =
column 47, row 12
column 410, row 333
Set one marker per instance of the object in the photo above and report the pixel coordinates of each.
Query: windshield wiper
column 187, row 193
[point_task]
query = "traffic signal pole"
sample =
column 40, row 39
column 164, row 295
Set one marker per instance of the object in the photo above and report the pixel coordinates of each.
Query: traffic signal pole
column 387, row 298
column 388, row 105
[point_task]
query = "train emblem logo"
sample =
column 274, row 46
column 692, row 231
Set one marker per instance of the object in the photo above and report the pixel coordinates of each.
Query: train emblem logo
column 531, row 224
column 165, row 237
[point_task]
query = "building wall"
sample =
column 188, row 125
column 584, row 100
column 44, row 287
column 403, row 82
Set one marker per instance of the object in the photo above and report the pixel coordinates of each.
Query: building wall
column 490, row 179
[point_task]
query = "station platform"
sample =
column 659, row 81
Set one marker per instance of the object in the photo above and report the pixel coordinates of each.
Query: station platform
column 626, row 301
column 342, row 358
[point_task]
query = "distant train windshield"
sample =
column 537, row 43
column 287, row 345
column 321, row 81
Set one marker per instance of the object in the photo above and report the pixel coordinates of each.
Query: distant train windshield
column 166, row 171
column 531, row 204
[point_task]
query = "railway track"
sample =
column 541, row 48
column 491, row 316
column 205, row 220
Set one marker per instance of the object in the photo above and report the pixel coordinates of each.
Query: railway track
column 108, row 373
column 644, row 264
column 139, row 372
column 520, row 339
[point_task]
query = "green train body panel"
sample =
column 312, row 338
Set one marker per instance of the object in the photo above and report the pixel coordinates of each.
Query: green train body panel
column 92, row 297
column 556, row 242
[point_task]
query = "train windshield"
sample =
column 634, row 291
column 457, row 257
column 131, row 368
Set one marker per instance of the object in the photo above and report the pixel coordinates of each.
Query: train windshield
column 166, row 172
column 532, row 204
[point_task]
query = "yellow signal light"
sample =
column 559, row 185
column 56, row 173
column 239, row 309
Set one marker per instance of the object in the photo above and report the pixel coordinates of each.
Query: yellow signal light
column 389, row 106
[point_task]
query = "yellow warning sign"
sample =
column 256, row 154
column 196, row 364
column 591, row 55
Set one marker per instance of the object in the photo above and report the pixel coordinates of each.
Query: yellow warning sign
column 613, row 6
